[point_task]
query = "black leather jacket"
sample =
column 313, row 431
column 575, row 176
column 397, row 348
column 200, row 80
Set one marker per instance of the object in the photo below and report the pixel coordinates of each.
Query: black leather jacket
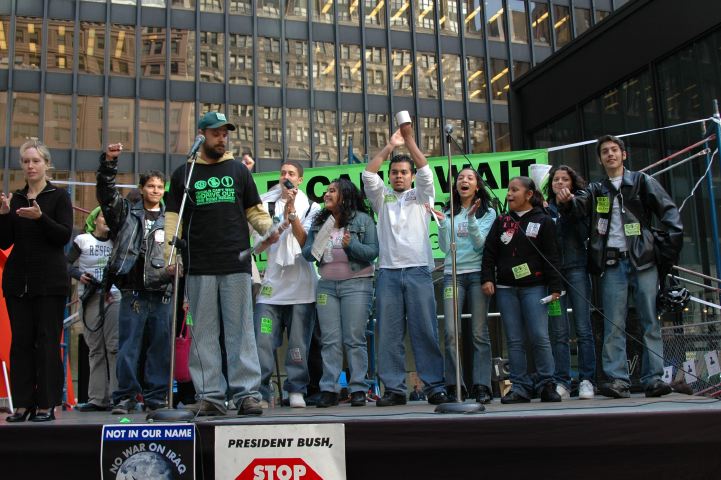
column 127, row 226
column 641, row 198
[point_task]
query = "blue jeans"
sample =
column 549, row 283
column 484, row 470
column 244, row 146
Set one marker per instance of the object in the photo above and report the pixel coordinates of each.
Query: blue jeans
column 578, row 291
column 342, row 308
column 227, row 299
column 525, row 318
column 615, row 285
column 405, row 299
column 270, row 323
column 143, row 314
column 468, row 286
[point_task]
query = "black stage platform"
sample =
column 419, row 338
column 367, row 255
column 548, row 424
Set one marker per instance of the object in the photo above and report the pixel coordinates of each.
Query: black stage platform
column 674, row 437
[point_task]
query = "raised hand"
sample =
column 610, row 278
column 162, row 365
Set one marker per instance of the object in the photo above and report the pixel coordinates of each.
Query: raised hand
column 5, row 203
column 397, row 139
column 248, row 161
column 31, row 213
column 113, row 151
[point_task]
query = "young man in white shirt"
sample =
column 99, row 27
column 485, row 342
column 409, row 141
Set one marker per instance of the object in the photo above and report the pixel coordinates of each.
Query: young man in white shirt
column 286, row 300
column 404, row 287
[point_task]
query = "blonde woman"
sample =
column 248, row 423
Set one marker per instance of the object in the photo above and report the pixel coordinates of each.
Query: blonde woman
column 36, row 222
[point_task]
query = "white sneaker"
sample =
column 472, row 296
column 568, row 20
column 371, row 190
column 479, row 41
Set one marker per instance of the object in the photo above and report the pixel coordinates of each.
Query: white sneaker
column 296, row 400
column 563, row 392
column 585, row 390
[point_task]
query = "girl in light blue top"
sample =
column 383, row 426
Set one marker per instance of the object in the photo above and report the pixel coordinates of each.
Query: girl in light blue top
column 473, row 220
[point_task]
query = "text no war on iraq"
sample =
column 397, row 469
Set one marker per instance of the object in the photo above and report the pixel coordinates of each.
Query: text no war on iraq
column 148, row 452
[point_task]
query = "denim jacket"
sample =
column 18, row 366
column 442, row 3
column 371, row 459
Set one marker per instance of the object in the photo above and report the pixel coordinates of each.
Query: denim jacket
column 363, row 247
column 571, row 235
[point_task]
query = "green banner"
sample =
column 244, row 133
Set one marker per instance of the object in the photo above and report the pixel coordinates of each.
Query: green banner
column 496, row 170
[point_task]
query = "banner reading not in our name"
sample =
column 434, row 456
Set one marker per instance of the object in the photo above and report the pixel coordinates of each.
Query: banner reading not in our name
column 280, row 452
column 148, row 452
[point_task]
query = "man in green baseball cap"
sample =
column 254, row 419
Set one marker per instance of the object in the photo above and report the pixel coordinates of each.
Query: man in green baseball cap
column 214, row 120
column 224, row 199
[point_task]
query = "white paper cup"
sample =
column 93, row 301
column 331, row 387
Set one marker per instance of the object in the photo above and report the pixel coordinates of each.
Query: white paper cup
column 403, row 117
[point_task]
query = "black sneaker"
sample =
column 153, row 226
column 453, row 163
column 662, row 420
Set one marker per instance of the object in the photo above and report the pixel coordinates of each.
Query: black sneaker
column 483, row 394
column 514, row 397
column 451, row 392
column 658, row 388
column 615, row 389
column 549, row 393
column 90, row 407
column 438, row 398
column 358, row 399
column 327, row 399
column 390, row 399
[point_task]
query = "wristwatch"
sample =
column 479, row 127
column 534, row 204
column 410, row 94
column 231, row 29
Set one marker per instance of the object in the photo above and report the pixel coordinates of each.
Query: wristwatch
column 292, row 216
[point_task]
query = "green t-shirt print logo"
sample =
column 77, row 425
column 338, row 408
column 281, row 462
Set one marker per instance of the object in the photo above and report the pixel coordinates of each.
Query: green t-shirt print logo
column 215, row 190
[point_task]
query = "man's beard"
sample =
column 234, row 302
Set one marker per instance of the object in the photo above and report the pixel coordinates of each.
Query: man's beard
column 211, row 153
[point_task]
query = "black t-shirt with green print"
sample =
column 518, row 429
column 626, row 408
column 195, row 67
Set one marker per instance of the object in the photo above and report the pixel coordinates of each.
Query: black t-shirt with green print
column 214, row 222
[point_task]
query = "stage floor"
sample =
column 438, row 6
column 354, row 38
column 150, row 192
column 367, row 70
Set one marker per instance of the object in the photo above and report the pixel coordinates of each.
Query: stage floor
column 676, row 436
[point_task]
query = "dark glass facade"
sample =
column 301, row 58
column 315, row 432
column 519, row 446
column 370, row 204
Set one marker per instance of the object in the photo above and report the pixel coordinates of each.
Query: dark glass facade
column 302, row 79
column 677, row 87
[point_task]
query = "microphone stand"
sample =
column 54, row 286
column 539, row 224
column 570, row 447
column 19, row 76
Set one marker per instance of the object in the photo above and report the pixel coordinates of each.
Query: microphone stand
column 459, row 406
column 170, row 414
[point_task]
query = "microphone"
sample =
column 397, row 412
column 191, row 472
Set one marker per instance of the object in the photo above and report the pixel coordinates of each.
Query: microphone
column 199, row 140
column 448, row 129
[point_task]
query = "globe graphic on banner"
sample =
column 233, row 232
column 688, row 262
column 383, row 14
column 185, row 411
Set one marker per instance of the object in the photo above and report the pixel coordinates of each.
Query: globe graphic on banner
column 145, row 466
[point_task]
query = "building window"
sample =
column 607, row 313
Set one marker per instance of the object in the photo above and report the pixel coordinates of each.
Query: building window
column 182, row 54
column 472, row 15
column 452, row 84
column 296, row 64
column 402, row 73
column 425, row 16
column 60, row 45
column 375, row 13
column 212, row 65
column 500, row 80
column 400, row 14
column 562, row 25
column 495, row 15
column 324, row 66
column 350, row 65
column 519, row 21
column 28, row 44
column 122, row 50
column 427, row 75
column 582, row 19
column 539, row 23
column 475, row 69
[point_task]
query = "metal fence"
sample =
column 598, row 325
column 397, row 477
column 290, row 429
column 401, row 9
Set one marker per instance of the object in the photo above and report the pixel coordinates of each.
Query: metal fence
column 691, row 357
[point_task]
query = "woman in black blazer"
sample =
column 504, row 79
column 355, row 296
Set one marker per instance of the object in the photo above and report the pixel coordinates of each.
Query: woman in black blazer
column 37, row 223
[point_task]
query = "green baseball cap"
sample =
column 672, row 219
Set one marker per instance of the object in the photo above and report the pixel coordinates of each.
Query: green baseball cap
column 214, row 120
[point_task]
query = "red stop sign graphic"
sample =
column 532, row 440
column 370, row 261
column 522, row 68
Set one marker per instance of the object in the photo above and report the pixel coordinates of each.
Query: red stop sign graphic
column 278, row 469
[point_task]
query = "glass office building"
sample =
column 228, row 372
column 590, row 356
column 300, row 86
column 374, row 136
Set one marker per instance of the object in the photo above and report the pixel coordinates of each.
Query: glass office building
column 311, row 80
column 665, row 77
